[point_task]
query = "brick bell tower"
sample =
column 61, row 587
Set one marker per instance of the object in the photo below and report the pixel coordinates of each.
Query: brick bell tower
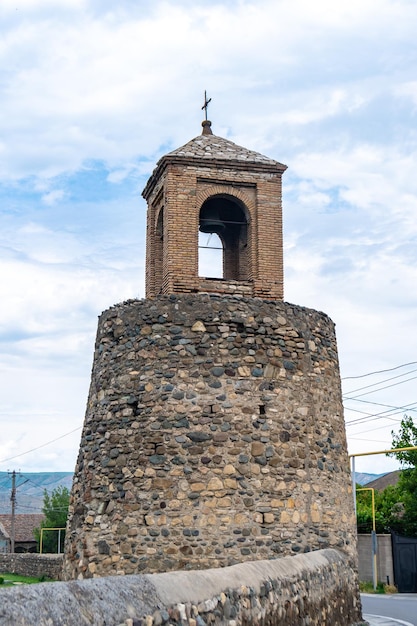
column 212, row 185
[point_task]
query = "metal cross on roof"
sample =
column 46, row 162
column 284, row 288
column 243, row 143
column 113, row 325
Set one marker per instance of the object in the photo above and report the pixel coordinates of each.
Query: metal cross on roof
column 206, row 103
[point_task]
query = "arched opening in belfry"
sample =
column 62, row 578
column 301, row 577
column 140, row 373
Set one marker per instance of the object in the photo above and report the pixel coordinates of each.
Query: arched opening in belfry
column 225, row 218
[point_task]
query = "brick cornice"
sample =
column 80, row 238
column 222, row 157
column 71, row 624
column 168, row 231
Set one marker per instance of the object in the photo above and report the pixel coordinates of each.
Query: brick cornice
column 214, row 163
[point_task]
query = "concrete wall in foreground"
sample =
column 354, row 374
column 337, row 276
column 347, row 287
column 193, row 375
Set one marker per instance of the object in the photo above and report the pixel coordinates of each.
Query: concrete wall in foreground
column 319, row 588
column 385, row 564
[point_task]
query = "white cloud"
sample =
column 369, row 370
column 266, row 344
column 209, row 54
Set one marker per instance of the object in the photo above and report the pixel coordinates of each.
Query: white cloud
column 39, row 5
column 77, row 88
column 52, row 197
column 407, row 90
column 94, row 91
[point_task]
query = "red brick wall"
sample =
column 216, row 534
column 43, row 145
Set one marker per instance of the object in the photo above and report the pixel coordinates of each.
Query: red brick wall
column 180, row 191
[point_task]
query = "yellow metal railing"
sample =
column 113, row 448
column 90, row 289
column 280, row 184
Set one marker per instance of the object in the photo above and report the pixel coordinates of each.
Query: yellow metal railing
column 59, row 538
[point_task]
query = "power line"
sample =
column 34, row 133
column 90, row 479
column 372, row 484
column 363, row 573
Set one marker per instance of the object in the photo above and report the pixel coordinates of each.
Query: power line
column 380, row 371
column 39, row 486
column 370, row 417
column 61, row 509
column 392, row 410
column 380, row 417
column 407, row 407
column 373, row 440
column 381, row 389
column 361, row 412
column 371, row 430
column 382, row 381
column 17, row 456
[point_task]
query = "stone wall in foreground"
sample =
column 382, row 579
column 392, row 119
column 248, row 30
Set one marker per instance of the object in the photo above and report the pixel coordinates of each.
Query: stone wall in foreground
column 214, row 434
column 29, row 564
column 316, row 589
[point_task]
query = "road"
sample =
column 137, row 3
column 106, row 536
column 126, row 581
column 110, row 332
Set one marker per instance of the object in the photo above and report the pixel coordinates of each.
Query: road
column 399, row 605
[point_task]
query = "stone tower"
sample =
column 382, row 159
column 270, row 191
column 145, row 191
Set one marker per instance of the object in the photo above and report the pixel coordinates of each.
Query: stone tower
column 214, row 428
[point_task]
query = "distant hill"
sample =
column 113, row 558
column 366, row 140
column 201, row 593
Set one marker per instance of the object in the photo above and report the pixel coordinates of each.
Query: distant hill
column 386, row 480
column 363, row 479
column 29, row 489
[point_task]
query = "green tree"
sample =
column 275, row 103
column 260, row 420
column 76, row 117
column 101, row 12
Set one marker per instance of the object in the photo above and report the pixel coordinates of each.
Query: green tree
column 406, row 438
column 55, row 509
column 406, row 519
column 389, row 510
column 386, row 509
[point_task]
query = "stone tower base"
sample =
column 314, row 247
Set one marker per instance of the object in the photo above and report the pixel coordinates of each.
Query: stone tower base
column 214, row 434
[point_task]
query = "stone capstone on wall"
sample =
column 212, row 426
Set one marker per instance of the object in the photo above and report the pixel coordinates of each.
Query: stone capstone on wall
column 305, row 590
column 213, row 435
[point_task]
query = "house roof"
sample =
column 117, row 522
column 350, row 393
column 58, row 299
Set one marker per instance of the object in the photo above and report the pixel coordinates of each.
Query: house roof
column 24, row 525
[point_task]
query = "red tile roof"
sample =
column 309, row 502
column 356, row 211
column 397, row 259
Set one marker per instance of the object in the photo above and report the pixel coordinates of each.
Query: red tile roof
column 24, row 525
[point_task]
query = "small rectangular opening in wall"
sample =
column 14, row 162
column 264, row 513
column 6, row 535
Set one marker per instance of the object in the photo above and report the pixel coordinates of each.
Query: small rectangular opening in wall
column 262, row 409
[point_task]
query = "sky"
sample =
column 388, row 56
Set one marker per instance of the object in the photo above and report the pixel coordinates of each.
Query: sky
column 94, row 92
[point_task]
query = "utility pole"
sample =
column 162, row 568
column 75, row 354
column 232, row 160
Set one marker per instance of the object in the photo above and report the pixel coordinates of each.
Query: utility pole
column 13, row 501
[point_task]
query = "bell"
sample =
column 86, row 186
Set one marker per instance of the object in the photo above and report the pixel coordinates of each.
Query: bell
column 210, row 221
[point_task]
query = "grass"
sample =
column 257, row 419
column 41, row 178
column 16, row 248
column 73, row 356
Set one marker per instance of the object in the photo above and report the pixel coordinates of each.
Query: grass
column 368, row 587
column 7, row 579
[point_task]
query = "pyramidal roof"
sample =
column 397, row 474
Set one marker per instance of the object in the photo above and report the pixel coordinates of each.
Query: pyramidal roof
column 209, row 146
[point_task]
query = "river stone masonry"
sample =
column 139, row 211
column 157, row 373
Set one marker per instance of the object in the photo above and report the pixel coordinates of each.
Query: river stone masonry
column 314, row 589
column 213, row 435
